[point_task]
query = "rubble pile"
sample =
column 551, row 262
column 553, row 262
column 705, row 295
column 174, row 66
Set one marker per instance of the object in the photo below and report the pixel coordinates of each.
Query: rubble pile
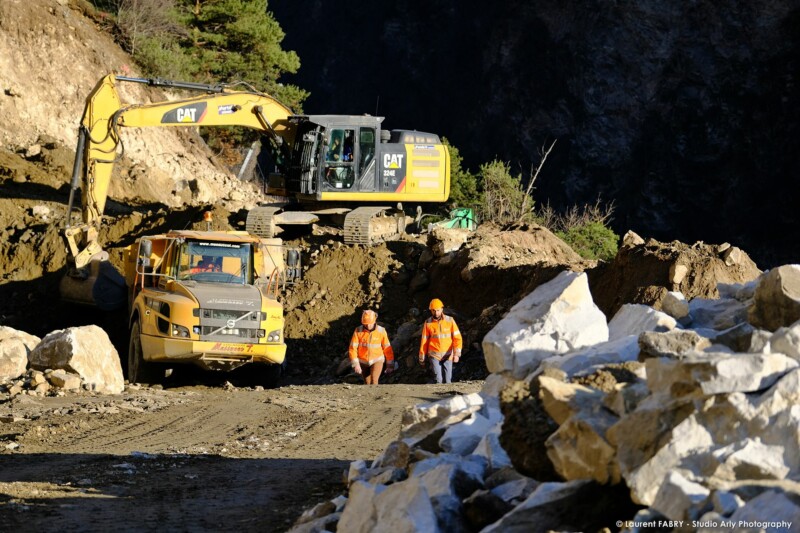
column 72, row 359
column 685, row 418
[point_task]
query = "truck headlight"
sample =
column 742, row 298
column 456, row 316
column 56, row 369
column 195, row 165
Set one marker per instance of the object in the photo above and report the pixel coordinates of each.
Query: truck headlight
column 274, row 336
column 180, row 331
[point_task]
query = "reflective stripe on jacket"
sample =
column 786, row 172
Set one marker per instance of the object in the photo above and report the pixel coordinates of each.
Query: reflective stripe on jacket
column 370, row 345
column 440, row 338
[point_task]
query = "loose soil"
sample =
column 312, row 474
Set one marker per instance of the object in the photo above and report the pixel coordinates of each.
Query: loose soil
column 191, row 458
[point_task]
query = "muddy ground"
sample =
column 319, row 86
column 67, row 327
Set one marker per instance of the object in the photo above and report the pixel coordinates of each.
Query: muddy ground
column 191, row 458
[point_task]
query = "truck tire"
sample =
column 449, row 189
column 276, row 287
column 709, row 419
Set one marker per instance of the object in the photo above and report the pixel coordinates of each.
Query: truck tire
column 139, row 370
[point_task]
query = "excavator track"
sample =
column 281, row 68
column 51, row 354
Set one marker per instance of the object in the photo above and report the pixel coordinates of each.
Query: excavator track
column 371, row 225
column 261, row 221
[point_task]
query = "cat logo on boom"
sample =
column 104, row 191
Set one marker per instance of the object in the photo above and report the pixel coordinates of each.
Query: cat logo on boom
column 185, row 114
column 188, row 114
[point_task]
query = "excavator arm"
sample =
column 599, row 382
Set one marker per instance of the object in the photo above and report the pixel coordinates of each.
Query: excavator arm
column 99, row 143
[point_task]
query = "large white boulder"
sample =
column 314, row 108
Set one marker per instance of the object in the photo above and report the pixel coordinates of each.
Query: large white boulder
column 30, row 341
column 401, row 507
column 717, row 314
column 698, row 375
column 652, row 443
column 558, row 317
column 15, row 345
column 581, row 361
column 776, row 302
column 633, row 319
column 677, row 497
column 13, row 358
column 86, row 351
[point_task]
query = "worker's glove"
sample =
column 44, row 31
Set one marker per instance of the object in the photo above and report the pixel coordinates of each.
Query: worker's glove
column 357, row 368
column 389, row 368
column 456, row 357
column 421, row 361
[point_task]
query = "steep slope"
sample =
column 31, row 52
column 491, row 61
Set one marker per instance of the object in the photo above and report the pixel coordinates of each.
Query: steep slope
column 51, row 56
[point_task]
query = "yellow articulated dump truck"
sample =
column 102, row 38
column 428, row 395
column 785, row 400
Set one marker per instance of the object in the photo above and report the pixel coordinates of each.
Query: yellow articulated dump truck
column 207, row 298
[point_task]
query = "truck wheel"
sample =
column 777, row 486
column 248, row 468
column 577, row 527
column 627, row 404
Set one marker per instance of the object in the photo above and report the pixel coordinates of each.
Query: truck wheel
column 139, row 370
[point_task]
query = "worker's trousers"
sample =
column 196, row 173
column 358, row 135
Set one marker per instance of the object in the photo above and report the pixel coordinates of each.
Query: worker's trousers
column 437, row 369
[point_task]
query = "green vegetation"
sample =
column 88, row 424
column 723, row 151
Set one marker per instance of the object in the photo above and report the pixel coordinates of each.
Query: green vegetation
column 585, row 229
column 592, row 240
column 463, row 184
column 506, row 199
column 208, row 41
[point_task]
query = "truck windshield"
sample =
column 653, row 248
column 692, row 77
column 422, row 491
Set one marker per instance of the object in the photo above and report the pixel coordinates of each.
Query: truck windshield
column 215, row 262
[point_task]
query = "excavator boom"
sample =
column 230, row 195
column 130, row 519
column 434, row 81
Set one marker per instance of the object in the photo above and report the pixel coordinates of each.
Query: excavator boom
column 99, row 141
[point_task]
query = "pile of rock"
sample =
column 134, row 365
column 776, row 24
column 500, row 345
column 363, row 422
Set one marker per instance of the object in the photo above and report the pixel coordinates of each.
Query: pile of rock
column 44, row 383
column 64, row 360
column 697, row 427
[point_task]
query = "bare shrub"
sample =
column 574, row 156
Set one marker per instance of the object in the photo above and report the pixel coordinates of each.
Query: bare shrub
column 506, row 200
column 138, row 19
column 575, row 216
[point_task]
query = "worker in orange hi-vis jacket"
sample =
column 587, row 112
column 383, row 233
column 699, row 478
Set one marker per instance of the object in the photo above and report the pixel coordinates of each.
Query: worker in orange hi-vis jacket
column 441, row 342
column 370, row 349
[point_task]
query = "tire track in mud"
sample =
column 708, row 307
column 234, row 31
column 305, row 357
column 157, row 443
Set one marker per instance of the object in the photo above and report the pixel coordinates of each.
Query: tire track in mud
column 209, row 459
column 187, row 427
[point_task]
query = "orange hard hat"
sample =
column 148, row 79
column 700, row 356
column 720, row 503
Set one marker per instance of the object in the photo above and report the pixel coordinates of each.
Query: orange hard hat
column 369, row 317
column 436, row 303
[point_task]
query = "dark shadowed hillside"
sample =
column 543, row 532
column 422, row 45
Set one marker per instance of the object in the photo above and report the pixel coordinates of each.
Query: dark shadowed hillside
column 686, row 115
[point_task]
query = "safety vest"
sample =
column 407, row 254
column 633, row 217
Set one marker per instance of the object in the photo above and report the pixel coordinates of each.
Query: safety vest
column 370, row 345
column 440, row 338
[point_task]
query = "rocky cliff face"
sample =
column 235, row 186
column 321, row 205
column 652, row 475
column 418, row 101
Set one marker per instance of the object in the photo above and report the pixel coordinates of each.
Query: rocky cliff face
column 685, row 115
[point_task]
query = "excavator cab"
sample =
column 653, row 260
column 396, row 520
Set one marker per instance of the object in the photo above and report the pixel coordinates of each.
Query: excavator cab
column 343, row 165
column 350, row 158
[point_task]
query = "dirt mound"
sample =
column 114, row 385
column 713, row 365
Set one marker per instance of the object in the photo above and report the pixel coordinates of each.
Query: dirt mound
column 644, row 272
column 478, row 283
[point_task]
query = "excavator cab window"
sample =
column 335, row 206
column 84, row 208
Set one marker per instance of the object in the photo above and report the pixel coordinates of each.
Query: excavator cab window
column 339, row 159
column 366, row 159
